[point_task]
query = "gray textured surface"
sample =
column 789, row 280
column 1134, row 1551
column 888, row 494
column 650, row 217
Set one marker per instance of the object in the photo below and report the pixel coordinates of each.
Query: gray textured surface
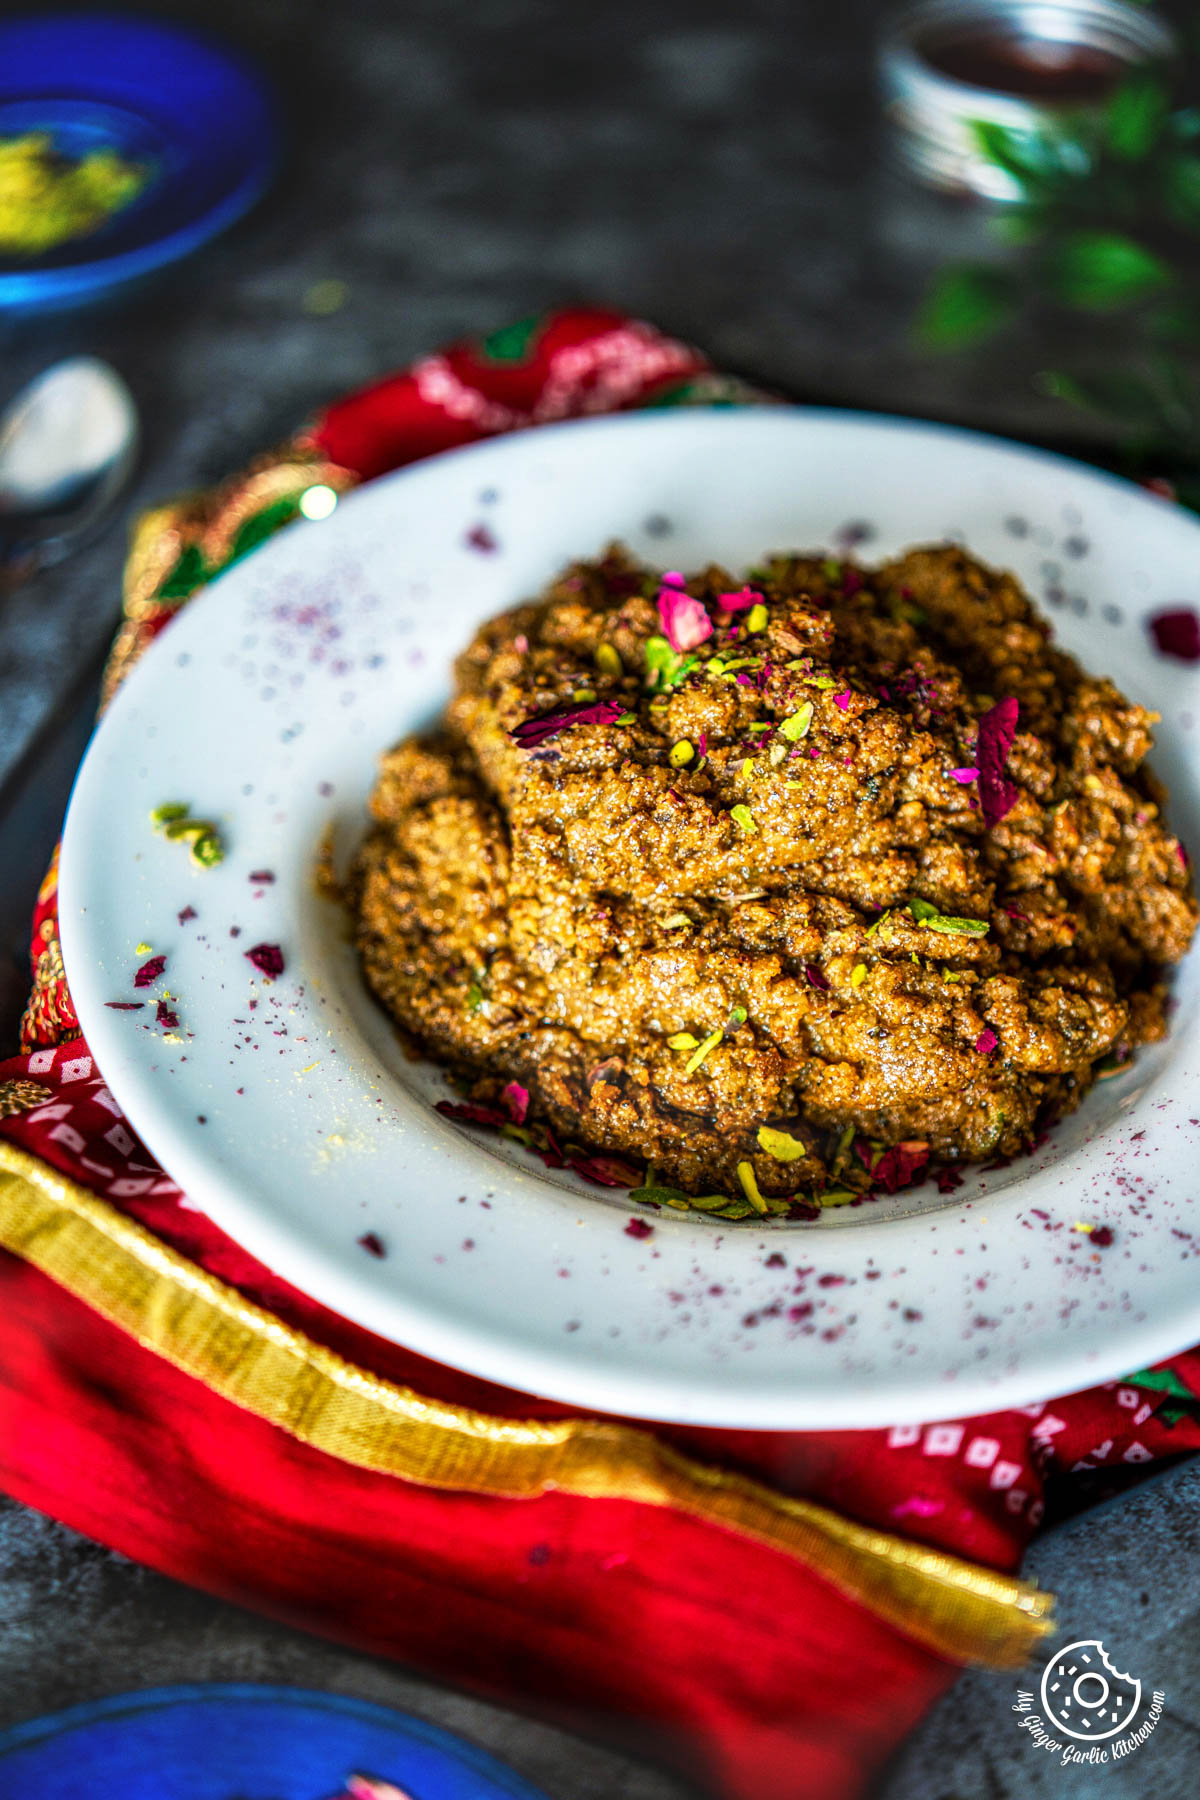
column 460, row 163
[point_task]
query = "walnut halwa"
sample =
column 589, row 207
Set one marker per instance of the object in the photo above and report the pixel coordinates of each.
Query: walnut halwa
column 788, row 889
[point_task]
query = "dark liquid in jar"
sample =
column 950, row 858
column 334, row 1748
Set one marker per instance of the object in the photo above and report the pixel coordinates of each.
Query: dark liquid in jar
column 1036, row 69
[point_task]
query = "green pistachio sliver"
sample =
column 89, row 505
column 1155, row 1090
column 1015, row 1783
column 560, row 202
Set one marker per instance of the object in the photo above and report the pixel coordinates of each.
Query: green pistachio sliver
column 676, row 921
column 957, row 927
column 682, row 1040
column 207, row 850
column 735, row 1211
column 756, row 618
column 749, row 1181
column 780, row 1145
column 738, row 1016
column 681, row 754
column 708, row 1203
column 836, row 1197
column 166, row 815
column 655, row 1195
column 608, row 659
column 703, row 1050
column 824, row 681
column 741, row 815
column 625, row 718
column 796, row 727
column 474, row 997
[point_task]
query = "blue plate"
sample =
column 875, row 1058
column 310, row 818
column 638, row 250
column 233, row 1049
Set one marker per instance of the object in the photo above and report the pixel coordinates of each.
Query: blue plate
column 234, row 1742
column 194, row 111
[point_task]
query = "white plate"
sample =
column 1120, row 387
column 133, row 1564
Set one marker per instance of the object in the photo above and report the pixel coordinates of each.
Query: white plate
column 266, row 705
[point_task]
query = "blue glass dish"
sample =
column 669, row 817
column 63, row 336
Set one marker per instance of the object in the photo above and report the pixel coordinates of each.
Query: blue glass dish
column 195, row 112
column 234, row 1742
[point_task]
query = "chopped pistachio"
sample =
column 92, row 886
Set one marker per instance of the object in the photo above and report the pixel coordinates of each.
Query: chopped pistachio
column 702, row 1050
column 625, row 718
column 681, row 754
column 737, row 1017
column 608, row 660
column 780, row 1145
column 585, row 695
column 745, row 1174
column 682, row 1040
column 835, row 1197
column 858, row 975
column 675, row 921
column 756, row 618
column 165, row 815
column 474, row 997
column 796, row 727
column 741, row 815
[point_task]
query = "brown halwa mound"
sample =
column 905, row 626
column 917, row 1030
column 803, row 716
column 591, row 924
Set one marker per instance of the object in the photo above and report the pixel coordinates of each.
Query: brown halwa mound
column 584, row 916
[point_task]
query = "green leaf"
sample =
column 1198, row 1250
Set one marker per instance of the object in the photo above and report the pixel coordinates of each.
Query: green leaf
column 967, row 303
column 1103, row 270
column 1136, row 116
column 1181, row 189
column 1123, row 394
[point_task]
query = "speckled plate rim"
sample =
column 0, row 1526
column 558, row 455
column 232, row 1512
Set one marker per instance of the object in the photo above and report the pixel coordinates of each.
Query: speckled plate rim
column 306, row 659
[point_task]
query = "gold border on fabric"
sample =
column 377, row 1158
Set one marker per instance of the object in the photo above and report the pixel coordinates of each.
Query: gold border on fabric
column 962, row 1611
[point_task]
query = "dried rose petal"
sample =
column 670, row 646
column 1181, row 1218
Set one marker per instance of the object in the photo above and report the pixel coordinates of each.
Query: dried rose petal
column 166, row 1017
column 267, row 959
column 189, row 912
column 684, row 620
column 532, row 732
column 516, row 1098
column 817, row 977
column 125, row 1005
column 986, row 1042
column 1177, row 633
column 638, row 1228
column 898, row 1166
column 842, row 701
column 1101, row 1236
column 472, row 1112
column 997, row 729
column 261, row 875
column 482, row 538
column 948, row 1179
column 149, row 972
column 742, row 602
column 373, row 1244
column 964, row 775
column 605, row 1171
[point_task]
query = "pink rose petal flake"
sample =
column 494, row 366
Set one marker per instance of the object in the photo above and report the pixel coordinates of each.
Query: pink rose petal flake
column 997, row 729
column 684, row 620
column 532, row 733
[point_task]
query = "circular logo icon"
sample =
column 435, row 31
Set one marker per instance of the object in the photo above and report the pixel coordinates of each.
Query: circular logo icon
column 1084, row 1696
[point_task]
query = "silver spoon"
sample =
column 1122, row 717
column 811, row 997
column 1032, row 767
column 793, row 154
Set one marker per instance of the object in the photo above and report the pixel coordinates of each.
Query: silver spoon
column 67, row 447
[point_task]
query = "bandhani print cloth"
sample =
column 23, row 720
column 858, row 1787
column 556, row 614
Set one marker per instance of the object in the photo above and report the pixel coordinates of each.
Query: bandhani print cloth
column 769, row 1612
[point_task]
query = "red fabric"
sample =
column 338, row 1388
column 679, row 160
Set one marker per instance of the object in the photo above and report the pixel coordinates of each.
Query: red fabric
column 752, row 1674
